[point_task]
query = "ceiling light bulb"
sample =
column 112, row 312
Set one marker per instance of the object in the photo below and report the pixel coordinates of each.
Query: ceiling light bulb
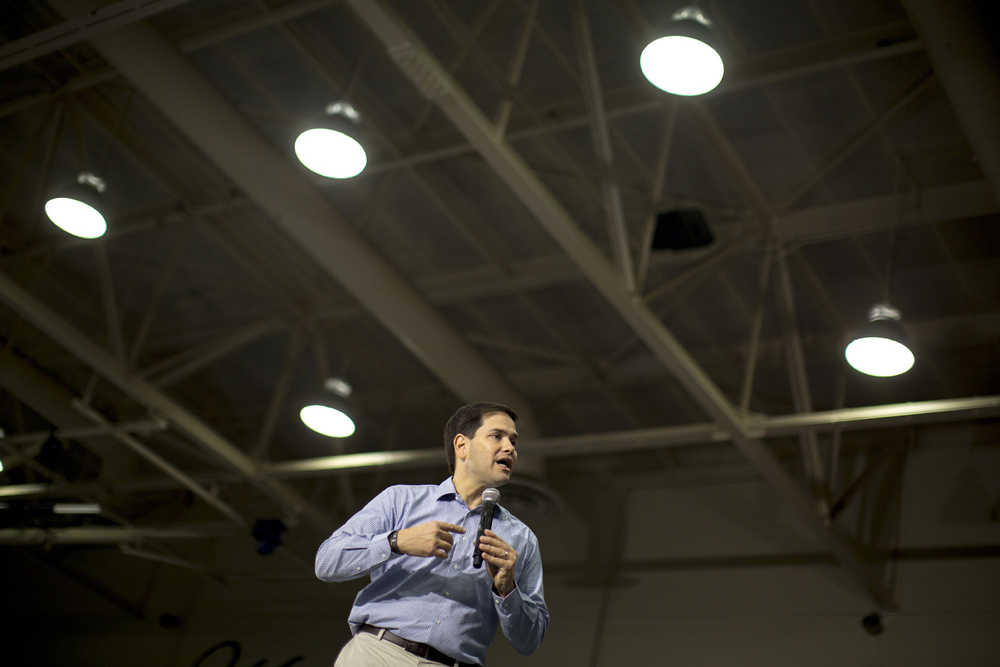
column 330, row 153
column 879, row 348
column 327, row 421
column 681, row 65
column 76, row 217
column 881, row 357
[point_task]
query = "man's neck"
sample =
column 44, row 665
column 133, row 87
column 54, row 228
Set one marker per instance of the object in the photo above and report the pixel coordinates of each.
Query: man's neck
column 470, row 490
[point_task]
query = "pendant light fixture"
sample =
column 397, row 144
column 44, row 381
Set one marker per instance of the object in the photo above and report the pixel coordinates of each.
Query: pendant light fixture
column 686, row 58
column 329, row 413
column 76, row 207
column 329, row 146
column 880, row 348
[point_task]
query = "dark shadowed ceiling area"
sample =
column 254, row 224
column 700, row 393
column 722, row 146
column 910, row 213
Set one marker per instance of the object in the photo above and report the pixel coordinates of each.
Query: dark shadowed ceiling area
column 497, row 247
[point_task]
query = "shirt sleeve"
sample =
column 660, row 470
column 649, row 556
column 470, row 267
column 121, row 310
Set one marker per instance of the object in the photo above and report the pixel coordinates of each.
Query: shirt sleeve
column 361, row 543
column 524, row 618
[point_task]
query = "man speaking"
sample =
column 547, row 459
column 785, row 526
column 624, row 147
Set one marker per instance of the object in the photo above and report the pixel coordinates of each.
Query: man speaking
column 428, row 599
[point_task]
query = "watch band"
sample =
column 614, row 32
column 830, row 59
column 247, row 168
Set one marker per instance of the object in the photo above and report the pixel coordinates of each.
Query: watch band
column 392, row 542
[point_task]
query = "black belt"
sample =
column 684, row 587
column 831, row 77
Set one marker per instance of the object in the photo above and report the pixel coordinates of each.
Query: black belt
column 416, row 648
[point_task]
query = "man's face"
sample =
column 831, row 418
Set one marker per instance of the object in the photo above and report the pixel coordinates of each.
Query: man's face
column 491, row 453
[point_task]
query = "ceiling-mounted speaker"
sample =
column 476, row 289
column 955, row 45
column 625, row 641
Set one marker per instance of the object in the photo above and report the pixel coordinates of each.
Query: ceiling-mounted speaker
column 681, row 229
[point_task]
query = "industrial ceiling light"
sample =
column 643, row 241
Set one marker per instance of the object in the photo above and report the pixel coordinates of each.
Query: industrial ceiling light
column 329, row 148
column 880, row 347
column 327, row 420
column 329, row 415
column 685, row 60
column 76, row 209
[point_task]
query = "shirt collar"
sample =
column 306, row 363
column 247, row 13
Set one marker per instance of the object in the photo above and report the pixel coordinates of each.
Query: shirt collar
column 446, row 491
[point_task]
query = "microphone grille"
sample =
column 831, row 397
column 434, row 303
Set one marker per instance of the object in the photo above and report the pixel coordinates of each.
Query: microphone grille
column 491, row 495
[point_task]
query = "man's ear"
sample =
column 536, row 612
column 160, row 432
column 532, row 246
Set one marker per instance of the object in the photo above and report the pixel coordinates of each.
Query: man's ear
column 461, row 445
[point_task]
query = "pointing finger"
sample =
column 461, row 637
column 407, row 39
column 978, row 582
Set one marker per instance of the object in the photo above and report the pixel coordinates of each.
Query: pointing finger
column 450, row 527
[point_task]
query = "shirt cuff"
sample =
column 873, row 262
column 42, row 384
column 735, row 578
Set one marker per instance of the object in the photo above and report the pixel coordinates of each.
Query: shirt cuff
column 379, row 549
column 506, row 602
column 375, row 554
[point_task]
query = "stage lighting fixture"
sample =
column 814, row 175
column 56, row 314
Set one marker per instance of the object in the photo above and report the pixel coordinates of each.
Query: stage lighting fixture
column 685, row 59
column 329, row 146
column 76, row 207
column 880, row 348
column 328, row 412
column 327, row 420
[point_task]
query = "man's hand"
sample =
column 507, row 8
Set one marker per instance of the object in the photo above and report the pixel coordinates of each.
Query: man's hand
column 500, row 558
column 431, row 538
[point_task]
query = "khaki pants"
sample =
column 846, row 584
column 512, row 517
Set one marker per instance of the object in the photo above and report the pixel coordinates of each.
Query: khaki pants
column 367, row 650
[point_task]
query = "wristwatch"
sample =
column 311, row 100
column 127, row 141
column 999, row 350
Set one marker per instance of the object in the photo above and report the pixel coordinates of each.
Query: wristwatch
column 392, row 542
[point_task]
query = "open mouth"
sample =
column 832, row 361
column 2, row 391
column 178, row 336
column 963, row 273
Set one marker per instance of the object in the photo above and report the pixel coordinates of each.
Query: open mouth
column 505, row 463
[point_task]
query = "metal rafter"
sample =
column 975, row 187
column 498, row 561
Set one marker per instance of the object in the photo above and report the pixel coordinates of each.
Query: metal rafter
column 96, row 22
column 869, row 417
column 961, row 43
column 103, row 535
column 146, row 394
column 182, row 364
column 601, row 138
column 416, row 62
column 290, row 199
column 516, row 67
column 173, row 471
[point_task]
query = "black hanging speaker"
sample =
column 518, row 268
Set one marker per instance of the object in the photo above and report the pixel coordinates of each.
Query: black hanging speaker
column 680, row 229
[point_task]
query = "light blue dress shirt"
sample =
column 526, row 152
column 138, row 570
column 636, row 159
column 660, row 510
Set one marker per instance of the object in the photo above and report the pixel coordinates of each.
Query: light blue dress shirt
column 443, row 602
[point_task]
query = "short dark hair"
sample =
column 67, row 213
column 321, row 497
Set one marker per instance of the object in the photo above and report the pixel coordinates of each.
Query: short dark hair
column 467, row 420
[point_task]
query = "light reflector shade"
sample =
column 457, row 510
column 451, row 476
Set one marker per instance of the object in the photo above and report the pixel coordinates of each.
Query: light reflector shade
column 681, row 65
column 881, row 357
column 330, row 153
column 76, row 217
column 327, row 421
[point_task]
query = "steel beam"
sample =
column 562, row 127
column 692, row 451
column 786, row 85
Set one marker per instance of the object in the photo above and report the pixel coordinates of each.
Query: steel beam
column 288, row 196
column 516, row 67
column 103, row 535
column 158, row 461
column 601, row 139
column 184, row 363
column 430, row 78
column 153, row 399
column 92, row 24
column 871, row 417
column 423, row 70
column 961, row 42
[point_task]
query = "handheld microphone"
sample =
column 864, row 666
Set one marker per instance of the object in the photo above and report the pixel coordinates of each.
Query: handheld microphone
column 490, row 498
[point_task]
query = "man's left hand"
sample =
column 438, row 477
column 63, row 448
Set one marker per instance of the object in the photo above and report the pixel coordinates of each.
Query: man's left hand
column 500, row 558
